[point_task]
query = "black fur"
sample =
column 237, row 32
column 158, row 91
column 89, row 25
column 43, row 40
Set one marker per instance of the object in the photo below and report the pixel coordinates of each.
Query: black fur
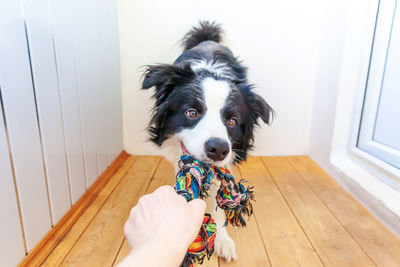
column 165, row 78
column 254, row 107
column 206, row 31
column 177, row 89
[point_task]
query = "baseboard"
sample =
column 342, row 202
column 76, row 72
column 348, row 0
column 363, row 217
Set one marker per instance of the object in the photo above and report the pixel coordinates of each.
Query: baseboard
column 40, row 252
column 379, row 198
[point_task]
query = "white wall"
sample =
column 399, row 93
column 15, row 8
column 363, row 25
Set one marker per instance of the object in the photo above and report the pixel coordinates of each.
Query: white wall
column 276, row 39
column 343, row 60
column 330, row 49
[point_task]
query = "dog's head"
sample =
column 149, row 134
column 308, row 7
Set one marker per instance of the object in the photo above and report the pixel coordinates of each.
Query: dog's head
column 212, row 115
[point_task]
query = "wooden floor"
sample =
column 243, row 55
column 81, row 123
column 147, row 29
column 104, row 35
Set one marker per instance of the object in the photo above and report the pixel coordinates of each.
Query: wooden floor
column 302, row 218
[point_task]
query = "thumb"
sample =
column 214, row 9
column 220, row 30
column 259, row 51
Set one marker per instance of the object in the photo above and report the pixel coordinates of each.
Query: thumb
column 197, row 208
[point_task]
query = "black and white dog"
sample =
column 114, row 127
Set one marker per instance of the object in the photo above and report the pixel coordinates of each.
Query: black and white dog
column 205, row 104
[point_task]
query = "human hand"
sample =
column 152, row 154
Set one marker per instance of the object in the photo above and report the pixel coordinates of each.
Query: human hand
column 163, row 223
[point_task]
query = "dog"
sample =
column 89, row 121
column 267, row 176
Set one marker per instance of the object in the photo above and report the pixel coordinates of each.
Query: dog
column 205, row 105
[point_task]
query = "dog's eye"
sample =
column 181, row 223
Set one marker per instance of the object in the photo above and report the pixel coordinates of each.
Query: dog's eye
column 192, row 113
column 232, row 122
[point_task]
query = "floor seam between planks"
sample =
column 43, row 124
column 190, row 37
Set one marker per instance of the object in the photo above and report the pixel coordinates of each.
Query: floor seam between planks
column 258, row 227
column 313, row 229
column 146, row 189
column 101, row 206
column 116, row 255
column 291, row 209
column 152, row 175
column 333, row 214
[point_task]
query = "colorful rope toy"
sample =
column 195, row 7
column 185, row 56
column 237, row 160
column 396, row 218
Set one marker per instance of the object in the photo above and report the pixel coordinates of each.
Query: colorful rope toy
column 193, row 181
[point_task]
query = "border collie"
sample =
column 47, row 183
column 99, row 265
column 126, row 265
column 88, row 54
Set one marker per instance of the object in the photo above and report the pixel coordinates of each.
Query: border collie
column 205, row 105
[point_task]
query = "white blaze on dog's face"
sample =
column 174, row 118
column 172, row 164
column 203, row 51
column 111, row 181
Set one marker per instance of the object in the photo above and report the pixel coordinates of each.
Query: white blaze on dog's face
column 208, row 140
column 206, row 108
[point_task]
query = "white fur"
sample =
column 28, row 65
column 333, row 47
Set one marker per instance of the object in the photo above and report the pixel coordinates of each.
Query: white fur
column 219, row 68
column 211, row 124
column 224, row 245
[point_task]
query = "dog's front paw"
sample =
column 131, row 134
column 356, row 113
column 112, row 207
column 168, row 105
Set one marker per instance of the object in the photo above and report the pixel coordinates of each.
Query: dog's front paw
column 225, row 247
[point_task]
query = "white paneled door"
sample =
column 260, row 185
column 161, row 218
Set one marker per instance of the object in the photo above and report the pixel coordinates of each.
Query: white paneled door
column 60, row 116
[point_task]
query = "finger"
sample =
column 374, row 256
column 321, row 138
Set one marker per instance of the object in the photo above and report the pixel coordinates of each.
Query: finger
column 164, row 189
column 133, row 211
column 181, row 198
column 164, row 194
column 197, row 208
column 143, row 199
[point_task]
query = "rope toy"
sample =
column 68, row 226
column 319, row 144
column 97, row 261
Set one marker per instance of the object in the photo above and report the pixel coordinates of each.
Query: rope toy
column 193, row 180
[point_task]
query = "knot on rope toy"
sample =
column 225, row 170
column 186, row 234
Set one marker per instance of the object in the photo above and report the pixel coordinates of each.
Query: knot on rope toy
column 193, row 180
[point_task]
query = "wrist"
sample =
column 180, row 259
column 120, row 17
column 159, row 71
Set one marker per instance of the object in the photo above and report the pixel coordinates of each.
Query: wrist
column 155, row 253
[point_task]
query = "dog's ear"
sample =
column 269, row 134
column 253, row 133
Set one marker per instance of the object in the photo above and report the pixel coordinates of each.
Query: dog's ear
column 261, row 108
column 258, row 108
column 165, row 78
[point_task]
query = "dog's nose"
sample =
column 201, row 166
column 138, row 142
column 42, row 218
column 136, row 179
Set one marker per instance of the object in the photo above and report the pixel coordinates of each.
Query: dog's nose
column 216, row 149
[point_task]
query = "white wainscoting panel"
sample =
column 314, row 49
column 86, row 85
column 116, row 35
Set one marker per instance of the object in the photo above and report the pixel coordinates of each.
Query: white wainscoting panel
column 99, row 41
column 116, row 99
column 46, row 86
column 21, row 117
column 60, row 12
column 84, row 53
column 111, row 111
column 11, row 241
column 60, row 112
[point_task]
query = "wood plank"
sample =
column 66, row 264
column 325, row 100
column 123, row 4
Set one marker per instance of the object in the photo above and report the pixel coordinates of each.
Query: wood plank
column 122, row 253
column 60, row 252
column 67, row 226
column 285, row 242
column 249, row 244
column 334, row 245
column 100, row 242
column 376, row 240
column 165, row 174
column 212, row 262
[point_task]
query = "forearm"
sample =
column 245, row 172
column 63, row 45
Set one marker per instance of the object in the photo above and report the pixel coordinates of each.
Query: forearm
column 154, row 256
